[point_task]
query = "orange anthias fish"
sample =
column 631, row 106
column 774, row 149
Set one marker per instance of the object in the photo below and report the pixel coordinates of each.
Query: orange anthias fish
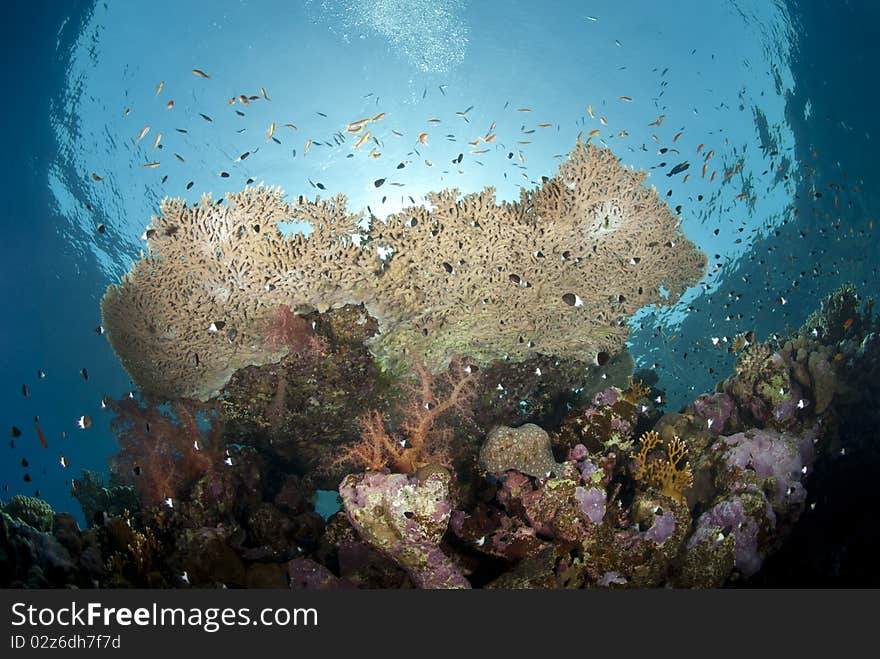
column 847, row 323
column 658, row 121
column 356, row 126
column 42, row 436
column 423, row 138
column 363, row 139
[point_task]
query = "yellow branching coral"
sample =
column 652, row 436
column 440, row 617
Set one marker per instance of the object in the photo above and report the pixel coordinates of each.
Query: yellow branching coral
column 636, row 389
column 558, row 272
column 665, row 473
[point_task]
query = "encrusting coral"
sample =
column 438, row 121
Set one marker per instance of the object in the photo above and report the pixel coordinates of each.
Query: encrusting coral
column 558, row 272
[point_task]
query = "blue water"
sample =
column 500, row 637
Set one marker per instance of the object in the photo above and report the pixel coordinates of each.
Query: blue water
column 763, row 84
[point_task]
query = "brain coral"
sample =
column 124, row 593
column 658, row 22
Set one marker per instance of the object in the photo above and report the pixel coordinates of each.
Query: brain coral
column 557, row 272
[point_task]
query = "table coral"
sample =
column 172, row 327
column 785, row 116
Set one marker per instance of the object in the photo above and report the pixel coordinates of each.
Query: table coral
column 557, row 272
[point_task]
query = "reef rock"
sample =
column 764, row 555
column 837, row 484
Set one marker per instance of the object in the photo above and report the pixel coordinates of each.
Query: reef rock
column 405, row 519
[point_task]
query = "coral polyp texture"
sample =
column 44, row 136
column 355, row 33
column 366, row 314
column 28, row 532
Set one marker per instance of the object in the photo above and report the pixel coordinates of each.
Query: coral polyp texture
column 557, row 272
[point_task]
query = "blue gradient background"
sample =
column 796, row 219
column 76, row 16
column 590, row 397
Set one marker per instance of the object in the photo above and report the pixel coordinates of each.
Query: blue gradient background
column 72, row 68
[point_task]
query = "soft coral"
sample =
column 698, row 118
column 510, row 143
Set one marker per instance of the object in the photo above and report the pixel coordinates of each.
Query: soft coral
column 420, row 439
column 163, row 453
column 284, row 328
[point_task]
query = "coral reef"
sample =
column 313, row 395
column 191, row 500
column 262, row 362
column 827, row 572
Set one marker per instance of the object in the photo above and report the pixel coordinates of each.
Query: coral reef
column 604, row 492
column 305, row 409
column 556, row 273
column 34, row 512
column 97, row 500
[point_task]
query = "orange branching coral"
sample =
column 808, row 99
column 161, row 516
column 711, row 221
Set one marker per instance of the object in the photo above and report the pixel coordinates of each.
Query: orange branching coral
column 664, row 473
column 636, row 389
column 557, row 272
column 377, row 448
column 422, row 438
column 163, row 453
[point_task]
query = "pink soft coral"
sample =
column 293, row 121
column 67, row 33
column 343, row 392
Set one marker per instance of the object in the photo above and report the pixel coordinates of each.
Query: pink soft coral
column 164, row 453
column 285, row 328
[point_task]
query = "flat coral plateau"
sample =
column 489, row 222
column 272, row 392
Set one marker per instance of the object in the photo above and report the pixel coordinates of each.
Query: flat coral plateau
column 558, row 272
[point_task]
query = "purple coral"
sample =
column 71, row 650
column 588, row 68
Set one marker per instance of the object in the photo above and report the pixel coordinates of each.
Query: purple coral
column 606, row 397
column 587, row 469
column 730, row 517
column 609, row 578
column 662, row 529
column 719, row 409
column 773, row 455
column 591, row 503
column 578, row 452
